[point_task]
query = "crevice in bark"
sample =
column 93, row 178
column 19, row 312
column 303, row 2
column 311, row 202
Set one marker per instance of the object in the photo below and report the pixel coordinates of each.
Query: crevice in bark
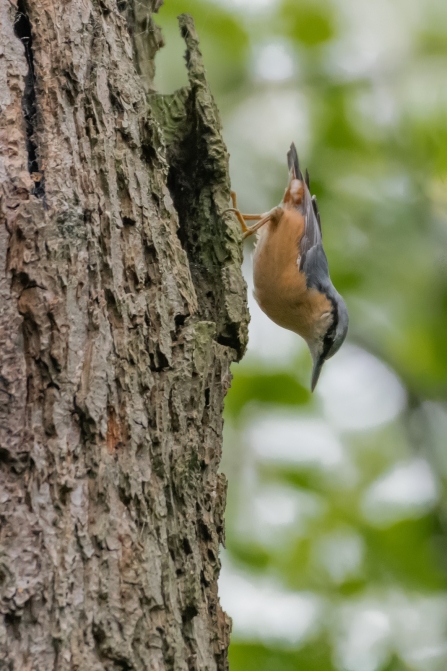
column 229, row 337
column 22, row 29
column 198, row 184
column 191, row 158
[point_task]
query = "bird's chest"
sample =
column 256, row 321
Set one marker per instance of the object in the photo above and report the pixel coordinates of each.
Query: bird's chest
column 280, row 288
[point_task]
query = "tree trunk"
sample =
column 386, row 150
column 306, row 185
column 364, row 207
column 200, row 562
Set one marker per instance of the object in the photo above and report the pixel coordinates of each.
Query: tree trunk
column 122, row 307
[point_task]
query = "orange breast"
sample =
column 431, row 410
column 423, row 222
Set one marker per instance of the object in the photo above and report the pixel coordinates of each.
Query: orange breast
column 280, row 288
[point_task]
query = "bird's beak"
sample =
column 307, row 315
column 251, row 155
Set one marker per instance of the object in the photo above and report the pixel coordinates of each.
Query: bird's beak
column 316, row 370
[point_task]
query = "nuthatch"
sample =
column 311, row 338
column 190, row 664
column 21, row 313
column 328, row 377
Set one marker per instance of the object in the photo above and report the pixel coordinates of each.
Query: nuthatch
column 290, row 269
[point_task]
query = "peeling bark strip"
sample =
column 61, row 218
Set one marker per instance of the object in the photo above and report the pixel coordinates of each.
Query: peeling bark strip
column 121, row 308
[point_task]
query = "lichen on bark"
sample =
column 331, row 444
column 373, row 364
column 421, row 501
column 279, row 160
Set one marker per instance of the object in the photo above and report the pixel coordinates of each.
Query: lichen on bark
column 122, row 307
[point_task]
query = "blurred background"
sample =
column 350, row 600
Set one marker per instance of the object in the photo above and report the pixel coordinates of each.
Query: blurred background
column 336, row 555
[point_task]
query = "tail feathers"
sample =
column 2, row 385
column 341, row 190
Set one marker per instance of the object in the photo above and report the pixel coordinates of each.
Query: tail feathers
column 316, row 210
column 307, row 179
column 293, row 162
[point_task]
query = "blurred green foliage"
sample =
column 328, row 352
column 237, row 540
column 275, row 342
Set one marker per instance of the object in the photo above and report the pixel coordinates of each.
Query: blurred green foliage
column 360, row 87
column 308, row 23
column 315, row 657
column 252, row 384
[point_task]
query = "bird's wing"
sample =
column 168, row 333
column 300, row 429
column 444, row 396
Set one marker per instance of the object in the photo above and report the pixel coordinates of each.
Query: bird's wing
column 313, row 260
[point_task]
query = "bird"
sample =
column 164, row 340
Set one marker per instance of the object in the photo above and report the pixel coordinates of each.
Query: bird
column 291, row 277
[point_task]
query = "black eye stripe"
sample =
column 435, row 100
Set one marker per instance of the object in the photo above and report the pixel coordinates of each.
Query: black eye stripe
column 330, row 334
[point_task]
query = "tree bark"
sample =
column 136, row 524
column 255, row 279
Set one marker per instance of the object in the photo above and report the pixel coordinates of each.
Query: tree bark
column 122, row 306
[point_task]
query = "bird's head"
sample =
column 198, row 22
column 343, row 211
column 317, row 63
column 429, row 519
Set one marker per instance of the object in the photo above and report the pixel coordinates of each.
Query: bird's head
column 328, row 334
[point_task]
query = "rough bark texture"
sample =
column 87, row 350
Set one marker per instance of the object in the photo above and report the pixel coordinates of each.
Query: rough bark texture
column 121, row 308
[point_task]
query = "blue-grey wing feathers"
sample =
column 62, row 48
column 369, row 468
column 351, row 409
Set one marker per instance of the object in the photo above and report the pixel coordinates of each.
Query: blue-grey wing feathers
column 313, row 260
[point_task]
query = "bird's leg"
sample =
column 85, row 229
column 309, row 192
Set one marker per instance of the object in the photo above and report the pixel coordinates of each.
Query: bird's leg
column 242, row 218
column 247, row 217
column 252, row 229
